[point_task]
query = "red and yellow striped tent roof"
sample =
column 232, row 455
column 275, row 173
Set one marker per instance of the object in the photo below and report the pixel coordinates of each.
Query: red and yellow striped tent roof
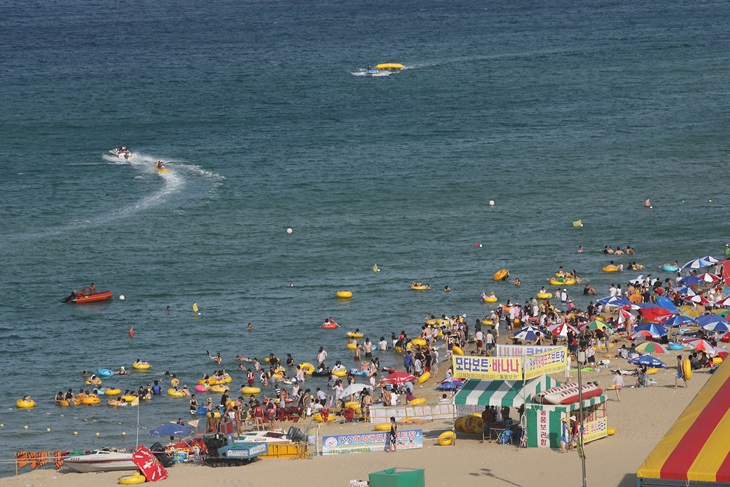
column 697, row 446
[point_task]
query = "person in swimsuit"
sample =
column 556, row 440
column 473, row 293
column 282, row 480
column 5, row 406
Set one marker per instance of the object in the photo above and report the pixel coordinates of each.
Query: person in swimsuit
column 393, row 438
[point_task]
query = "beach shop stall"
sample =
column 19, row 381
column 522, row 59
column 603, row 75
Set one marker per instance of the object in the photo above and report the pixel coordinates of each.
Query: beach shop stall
column 516, row 379
column 696, row 449
column 543, row 421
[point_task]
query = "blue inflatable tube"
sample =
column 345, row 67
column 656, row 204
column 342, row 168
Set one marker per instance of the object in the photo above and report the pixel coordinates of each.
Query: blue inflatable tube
column 104, row 373
column 670, row 268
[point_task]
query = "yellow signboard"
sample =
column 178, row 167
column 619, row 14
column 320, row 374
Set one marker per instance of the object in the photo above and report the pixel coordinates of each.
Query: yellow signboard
column 487, row 368
column 546, row 363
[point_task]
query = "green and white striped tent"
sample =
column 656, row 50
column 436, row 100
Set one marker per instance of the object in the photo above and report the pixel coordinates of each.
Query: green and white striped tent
column 502, row 392
column 543, row 421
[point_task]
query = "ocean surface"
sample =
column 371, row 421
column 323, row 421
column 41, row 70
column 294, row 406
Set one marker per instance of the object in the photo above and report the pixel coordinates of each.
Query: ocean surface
column 555, row 111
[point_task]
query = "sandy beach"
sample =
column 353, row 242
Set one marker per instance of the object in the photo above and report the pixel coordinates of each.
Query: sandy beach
column 640, row 419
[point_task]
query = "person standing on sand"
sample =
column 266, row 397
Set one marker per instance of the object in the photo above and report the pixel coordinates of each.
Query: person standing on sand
column 618, row 384
column 680, row 373
column 393, row 438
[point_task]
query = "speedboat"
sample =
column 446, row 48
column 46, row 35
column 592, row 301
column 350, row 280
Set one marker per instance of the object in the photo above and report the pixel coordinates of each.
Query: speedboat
column 100, row 461
column 122, row 152
column 87, row 298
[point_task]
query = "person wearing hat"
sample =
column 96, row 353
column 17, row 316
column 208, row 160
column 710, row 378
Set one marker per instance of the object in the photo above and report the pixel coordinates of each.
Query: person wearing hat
column 726, row 251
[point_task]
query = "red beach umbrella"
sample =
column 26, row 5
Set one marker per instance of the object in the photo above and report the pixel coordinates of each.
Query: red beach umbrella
column 398, row 378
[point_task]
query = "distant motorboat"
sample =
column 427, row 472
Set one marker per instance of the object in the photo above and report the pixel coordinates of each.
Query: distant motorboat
column 122, row 152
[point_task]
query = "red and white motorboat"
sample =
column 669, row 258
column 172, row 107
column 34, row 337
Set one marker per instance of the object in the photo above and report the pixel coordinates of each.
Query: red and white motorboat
column 100, row 461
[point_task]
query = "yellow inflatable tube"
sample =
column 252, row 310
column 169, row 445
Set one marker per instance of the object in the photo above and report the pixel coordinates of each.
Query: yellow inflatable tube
column 174, row 393
column 307, row 368
column 382, row 427
column 457, row 350
column 351, row 346
column 320, row 419
column 490, row 299
column 339, row 373
column 424, row 377
column 250, row 390
column 417, row 401
column 344, row 294
column 142, row 366
column 135, row 478
column 544, row 295
column 500, row 274
column 609, row 268
column 447, row 438
column 24, row 404
column 112, row 392
column 352, row 334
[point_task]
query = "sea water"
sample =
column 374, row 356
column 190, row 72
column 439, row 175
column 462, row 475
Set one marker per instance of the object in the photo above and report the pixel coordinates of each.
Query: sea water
column 554, row 111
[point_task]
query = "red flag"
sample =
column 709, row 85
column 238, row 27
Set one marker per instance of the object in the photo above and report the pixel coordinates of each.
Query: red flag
column 149, row 464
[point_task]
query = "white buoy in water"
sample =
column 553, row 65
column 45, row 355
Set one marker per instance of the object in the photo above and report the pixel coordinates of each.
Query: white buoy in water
column 491, row 202
column 289, row 231
column 122, row 298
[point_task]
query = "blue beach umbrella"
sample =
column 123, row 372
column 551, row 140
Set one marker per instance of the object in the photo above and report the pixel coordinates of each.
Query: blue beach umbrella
column 527, row 333
column 679, row 321
column 710, row 320
column 667, row 304
column 705, row 261
column 690, row 281
column 171, row 429
column 450, row 385
column 617, row 301
column 647, row 360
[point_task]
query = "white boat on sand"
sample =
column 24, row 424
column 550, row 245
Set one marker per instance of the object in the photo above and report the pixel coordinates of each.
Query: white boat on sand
column 100, row 461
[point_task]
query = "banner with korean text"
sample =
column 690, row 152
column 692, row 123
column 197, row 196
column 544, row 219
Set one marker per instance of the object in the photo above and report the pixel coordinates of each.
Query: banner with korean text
column 546, row 363
column 370, row 442
column 487, row 368
column 522, row 350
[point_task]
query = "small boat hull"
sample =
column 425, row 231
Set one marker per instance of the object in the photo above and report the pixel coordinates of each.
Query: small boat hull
column 120, row 153
column 89, row 298
column 100, row 461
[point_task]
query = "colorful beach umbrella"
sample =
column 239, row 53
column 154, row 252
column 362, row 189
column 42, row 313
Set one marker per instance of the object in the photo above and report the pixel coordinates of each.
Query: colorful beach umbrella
column 595, row 325
column 653, row 328
column 651, row 347
column 643, row 334
column 699, row 344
